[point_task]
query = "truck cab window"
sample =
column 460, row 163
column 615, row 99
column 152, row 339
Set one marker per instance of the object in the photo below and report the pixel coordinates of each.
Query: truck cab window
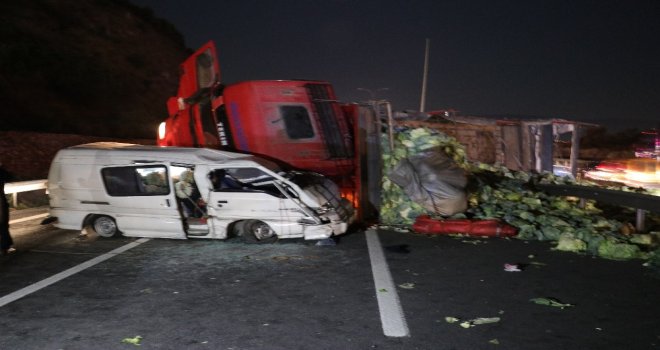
column 297, row 122
column 136, row 181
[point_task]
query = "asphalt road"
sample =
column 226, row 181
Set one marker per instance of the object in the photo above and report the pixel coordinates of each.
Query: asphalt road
column 201, row 294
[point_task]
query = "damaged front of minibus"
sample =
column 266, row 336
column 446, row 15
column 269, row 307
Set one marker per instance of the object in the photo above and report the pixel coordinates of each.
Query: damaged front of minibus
column 289, row 204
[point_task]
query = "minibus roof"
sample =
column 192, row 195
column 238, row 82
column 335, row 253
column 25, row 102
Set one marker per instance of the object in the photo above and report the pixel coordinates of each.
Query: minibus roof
column 147, row 153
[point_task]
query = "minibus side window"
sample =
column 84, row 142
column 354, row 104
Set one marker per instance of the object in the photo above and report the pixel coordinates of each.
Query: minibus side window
column 243, row 179
column 136, row 181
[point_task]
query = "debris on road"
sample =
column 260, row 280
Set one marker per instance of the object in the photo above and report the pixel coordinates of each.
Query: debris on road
column 473, row 322
column 484, row 320
column 479, row 321
column 135, row 340
column 512, row 268
column 495, row 192
column 407, row 285
column 551, row 302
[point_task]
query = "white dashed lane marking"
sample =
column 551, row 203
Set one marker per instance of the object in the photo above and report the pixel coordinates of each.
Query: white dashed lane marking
column 66, row 273
column 391, row 313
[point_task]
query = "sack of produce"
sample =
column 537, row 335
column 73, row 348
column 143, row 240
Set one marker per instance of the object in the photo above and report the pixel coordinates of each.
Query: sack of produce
column 398, row 207
column 432, row 180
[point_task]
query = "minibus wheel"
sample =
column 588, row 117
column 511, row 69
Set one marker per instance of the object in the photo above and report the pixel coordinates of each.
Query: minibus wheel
column 255, row 231
column 104, row 226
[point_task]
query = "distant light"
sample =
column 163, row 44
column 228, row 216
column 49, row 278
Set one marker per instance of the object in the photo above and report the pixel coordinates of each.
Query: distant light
column 637, row 172
column 161, row 131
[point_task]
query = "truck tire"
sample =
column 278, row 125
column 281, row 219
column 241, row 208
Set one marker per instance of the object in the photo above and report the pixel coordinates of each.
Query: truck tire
column 255, row 231
column 104, row 226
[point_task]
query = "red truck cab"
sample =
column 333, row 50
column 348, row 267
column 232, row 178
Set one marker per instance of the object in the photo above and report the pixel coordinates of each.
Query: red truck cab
column 298, row 122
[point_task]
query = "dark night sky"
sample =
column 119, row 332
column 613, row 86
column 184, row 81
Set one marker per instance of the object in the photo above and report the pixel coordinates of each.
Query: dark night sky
column 592, row 61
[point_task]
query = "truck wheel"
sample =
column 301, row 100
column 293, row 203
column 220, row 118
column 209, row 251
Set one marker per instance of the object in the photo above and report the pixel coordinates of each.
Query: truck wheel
column 255, row 231
column 105, row 226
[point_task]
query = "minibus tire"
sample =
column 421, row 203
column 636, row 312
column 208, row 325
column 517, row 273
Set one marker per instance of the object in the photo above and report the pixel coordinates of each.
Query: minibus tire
column 255, row 231
column 104, row 226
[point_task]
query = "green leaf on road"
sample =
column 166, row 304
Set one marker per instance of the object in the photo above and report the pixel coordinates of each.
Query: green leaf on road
column 473, row 322
column 550, row 302
column 485, row 320
column 135, row 340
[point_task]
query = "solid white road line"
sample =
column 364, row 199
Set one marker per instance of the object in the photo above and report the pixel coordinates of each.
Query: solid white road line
column 33, row 217
column 66, row 273
column 391, row 313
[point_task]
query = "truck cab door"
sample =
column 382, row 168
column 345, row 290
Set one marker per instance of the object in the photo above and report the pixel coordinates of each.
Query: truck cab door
column 190, row 110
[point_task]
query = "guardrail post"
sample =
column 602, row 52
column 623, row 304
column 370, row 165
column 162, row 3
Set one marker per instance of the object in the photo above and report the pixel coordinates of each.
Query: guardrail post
column 14, row 199
column 575, row 149
column 639, row 225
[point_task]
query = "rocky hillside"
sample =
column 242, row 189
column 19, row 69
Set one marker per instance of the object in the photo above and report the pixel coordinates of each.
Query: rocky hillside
column 93, row 67
column 27, row 155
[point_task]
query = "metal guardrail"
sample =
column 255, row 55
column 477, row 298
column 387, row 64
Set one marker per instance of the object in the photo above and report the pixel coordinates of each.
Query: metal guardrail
column 14, row 188
column 639, row 201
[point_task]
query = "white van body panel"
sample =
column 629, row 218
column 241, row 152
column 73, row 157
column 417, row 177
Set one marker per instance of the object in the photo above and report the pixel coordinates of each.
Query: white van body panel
column 96, row 179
